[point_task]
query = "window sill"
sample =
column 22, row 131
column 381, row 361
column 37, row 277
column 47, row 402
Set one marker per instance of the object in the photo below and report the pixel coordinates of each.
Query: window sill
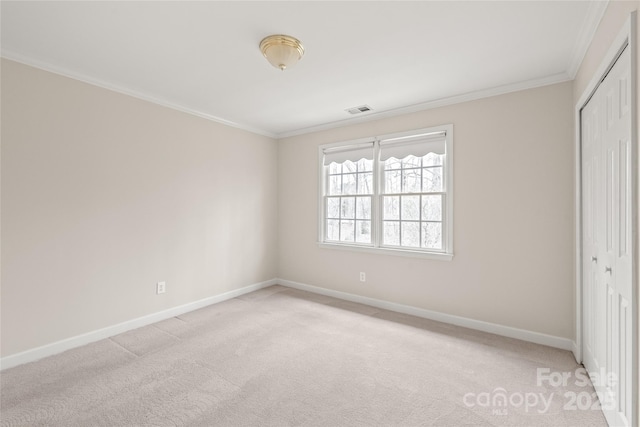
column 387, row 251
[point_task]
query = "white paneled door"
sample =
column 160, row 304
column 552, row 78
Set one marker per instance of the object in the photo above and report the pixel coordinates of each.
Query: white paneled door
column 607, row 241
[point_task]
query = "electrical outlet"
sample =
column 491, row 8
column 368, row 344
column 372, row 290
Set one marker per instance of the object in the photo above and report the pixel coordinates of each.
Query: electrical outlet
column 161, row 288
column 363, row 277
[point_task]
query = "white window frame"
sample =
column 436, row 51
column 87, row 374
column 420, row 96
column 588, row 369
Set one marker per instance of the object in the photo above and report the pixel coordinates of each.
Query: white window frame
column 446, row 253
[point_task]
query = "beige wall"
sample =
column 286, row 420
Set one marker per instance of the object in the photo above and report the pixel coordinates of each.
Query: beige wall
column 513, row 228
column 103, row 195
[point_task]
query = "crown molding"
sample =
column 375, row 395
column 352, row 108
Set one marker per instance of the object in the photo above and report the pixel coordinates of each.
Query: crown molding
column 443, row 102
column 585, row 37
column 65, row 72
column 457, row 99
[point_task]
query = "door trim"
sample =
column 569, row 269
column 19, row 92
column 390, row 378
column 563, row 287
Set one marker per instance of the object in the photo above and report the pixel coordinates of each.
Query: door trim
column 626, row 38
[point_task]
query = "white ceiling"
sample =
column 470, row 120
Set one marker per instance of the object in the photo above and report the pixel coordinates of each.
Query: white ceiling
column 394, row 56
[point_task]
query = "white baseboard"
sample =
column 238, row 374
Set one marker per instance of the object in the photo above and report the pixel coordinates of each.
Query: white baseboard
column 576, row 352
column 506, row 331
column 80, row 340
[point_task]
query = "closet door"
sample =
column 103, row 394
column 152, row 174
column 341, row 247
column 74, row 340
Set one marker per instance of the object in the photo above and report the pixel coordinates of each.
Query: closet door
column 593, row 291
column 607, row 263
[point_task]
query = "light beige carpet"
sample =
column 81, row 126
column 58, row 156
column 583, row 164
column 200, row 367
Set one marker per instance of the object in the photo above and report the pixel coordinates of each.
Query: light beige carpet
column 283, row 357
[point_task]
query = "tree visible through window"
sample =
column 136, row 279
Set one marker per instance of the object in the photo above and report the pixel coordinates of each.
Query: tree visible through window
column 390, row 192
column 348, row 201
column 412, row 202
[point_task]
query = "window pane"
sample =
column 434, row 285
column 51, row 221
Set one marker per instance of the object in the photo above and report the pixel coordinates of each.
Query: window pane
column 348, row 209
column 392, row 163
column 411, row 234
column 411, row 181
column 410, row 208
column 349, row 167
column 432, row 235
column 363, row 231
column 411, row 162
column 392, row 181
column 391, row 207
column 333, row 229
column 432, row 179
column 349, row 183
column 335, row 185
column 365, row 183
column 365, row 165
column 363, row 208
column 391, row 233
column 432, row 208
column 432, row 159
column 409, row 196
column 333, row 207
column 347, row 229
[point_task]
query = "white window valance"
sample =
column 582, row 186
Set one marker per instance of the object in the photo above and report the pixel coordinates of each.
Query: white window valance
column 417, row 145
column 350, row 152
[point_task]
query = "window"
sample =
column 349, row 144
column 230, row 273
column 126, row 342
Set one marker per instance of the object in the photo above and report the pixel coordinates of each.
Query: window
column 390, row 193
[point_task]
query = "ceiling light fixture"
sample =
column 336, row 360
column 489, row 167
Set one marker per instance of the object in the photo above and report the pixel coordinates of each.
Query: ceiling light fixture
column 281, row 51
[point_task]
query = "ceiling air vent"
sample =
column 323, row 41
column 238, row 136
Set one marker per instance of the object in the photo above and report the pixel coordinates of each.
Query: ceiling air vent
column 358, row 110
